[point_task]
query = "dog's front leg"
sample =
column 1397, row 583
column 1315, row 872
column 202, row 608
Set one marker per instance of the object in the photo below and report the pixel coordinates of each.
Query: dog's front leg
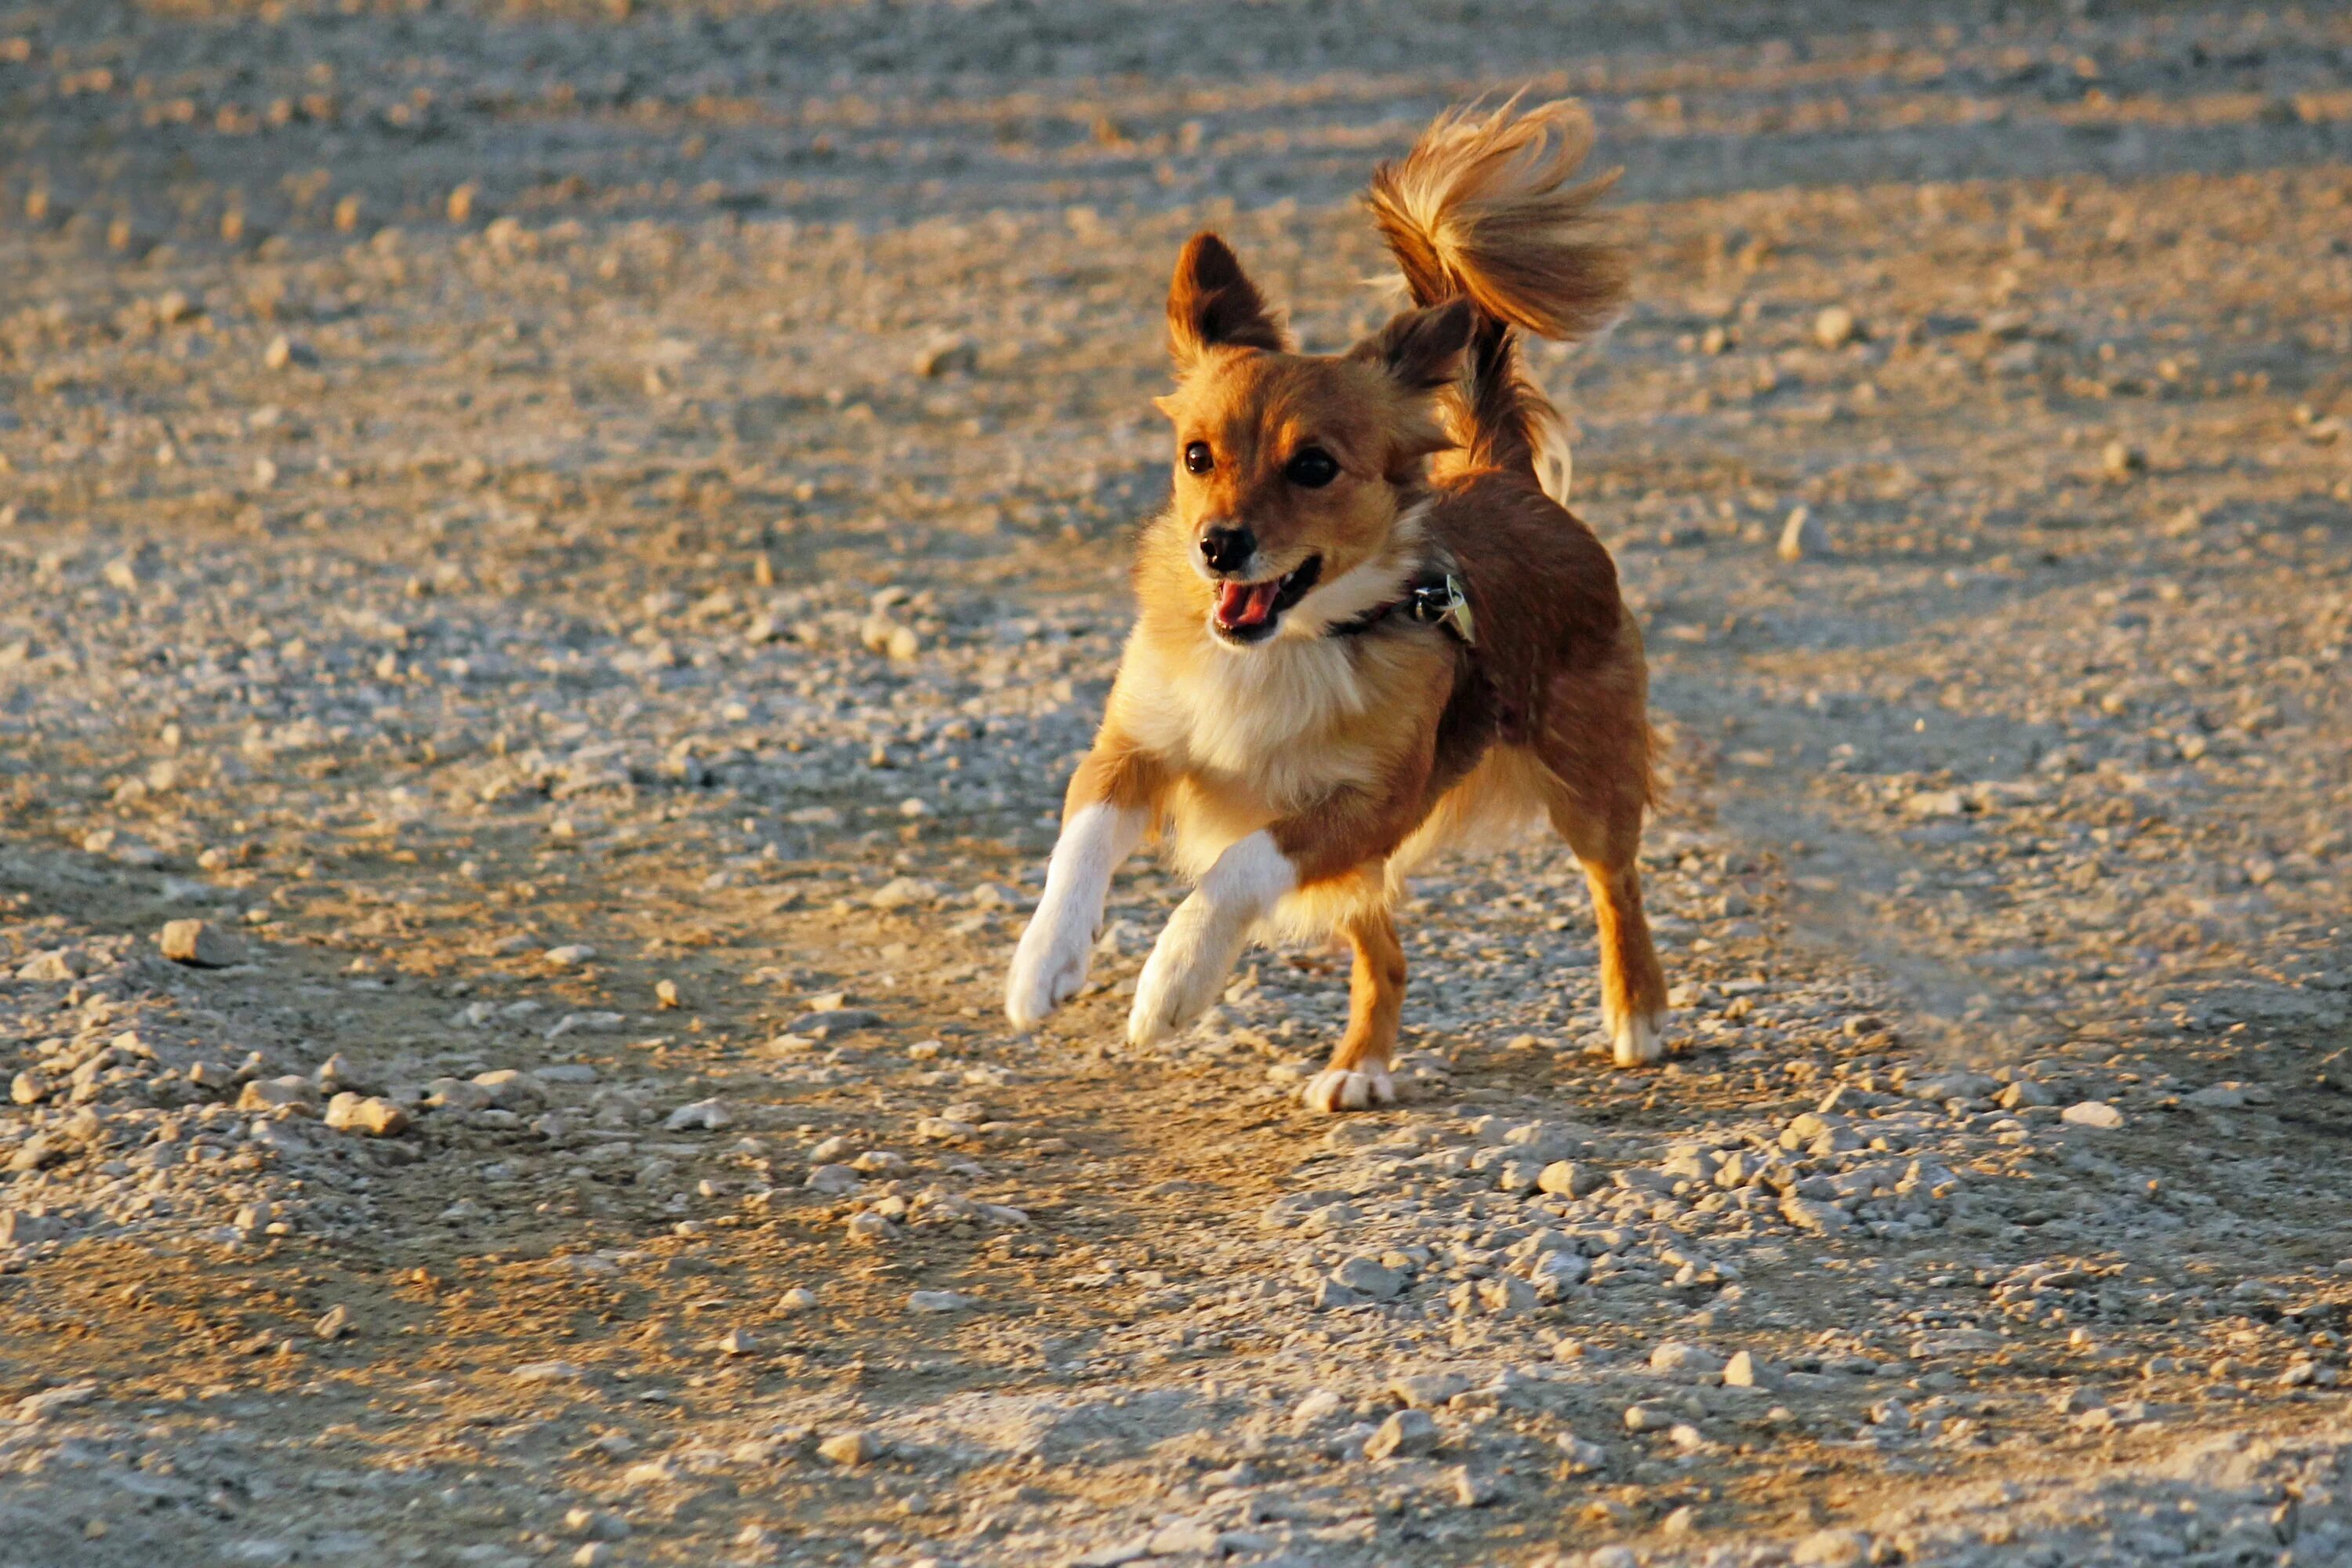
column 1108, row 808
column 1197, row 948
column 1336, row 836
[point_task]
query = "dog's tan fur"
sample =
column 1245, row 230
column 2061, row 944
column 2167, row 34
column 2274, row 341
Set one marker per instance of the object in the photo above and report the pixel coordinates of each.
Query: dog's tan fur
column 1297, row 775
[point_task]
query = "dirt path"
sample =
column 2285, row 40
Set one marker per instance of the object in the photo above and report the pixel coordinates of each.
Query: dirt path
column 582, row 542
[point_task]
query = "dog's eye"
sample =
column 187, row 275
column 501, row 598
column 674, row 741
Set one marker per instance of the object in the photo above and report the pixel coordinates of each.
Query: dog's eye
column 1198, row 459
column 1312, row 468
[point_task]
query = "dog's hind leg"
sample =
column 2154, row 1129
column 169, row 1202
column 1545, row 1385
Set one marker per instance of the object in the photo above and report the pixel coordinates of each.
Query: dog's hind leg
column 1358, row 1077
column 1633, row 984
column 1596, row 750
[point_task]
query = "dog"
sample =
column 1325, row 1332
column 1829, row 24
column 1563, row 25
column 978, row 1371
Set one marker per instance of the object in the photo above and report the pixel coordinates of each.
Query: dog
column 1367, row 629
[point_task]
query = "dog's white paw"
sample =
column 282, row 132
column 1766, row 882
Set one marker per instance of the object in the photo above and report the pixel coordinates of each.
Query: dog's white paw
column 1186, row 971
column 1638, row 1039
column 1337, row 1089
column 1206, row 936
column 1048, row 967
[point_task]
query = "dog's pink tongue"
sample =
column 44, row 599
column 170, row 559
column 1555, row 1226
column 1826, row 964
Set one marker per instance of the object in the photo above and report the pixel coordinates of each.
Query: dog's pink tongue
column 1245, row 603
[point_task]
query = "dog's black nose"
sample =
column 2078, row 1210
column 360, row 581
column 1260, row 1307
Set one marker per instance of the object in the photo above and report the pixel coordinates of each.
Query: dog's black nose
column 1227, row 548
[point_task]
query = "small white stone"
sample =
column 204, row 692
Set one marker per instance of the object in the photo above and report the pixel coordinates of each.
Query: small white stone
column 594, row 1524
column 1677, row 1359
column 848, row 1449
column 1836, row 327
column 1369, row 1277
column 1320, row 1404
column 1832, row 1548
column 368, row 1115
column 709, row 1115
column 199, row 944
column 1404, row 1434
column 1802, row 535
column 2093, row 1114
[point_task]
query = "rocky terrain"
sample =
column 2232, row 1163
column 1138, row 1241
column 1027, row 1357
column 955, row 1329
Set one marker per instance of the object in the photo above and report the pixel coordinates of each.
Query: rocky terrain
column 555, row 560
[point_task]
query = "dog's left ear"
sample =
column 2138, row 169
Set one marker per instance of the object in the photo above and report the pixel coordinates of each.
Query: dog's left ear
column 1212, row 303
column 1422, row 349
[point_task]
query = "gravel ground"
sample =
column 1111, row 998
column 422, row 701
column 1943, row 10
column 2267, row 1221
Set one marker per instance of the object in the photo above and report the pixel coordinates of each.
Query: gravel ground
column 578, row 545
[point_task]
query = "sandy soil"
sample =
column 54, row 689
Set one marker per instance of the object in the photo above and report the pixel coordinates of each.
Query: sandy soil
column 581, row 542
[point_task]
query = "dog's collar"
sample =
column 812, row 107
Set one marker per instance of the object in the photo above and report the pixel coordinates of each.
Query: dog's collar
column 1435, row 598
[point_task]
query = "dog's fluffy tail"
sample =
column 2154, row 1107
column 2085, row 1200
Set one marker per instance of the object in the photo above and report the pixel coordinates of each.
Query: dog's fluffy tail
column 1487, row 206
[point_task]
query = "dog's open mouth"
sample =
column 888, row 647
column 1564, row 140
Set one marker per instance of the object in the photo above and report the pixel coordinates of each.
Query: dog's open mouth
column 1248, row 612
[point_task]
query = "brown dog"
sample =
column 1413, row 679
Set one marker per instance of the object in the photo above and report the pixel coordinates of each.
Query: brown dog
column 1366, row 629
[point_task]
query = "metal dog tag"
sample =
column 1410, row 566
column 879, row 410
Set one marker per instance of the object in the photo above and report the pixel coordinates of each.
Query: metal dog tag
column 1445, row 605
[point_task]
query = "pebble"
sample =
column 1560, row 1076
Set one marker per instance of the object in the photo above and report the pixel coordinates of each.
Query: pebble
column 1804, row 535
column 199, row 944
column 835, row 1021
column 705, row 1115
column 1835, row 326
column 1832, row 1548
column 939, row 1301
column 368, row 1115
column 586, row 1523
column 1183, row 1538
column 333, row 1324
column 903, row 892
column 849, row 1449
column 946, row 355
column 1405, row 1433
column 1675, row 1358
column 1369, row 1276
column 1427, row 1390
column 570, row 955
column 1582, row 1455
column 1567, row 1179
column 2093, row 1113
column 20, row 1228
column 1809, row 1214
column 799, row 1299
column 833, row 1179
column 287, row 1089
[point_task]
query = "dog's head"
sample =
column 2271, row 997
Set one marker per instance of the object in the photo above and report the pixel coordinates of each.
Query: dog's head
column 1293, row 470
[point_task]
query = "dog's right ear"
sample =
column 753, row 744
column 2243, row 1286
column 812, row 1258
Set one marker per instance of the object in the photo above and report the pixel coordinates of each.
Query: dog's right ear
column 1213, row 304
column 1422, row 349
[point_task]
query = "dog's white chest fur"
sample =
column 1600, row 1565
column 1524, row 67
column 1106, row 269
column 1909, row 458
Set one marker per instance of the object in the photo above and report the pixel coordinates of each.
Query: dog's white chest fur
column 1270, row 719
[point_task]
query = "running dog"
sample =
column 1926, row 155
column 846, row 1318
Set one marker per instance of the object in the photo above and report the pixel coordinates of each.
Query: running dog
column 1368, row 627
